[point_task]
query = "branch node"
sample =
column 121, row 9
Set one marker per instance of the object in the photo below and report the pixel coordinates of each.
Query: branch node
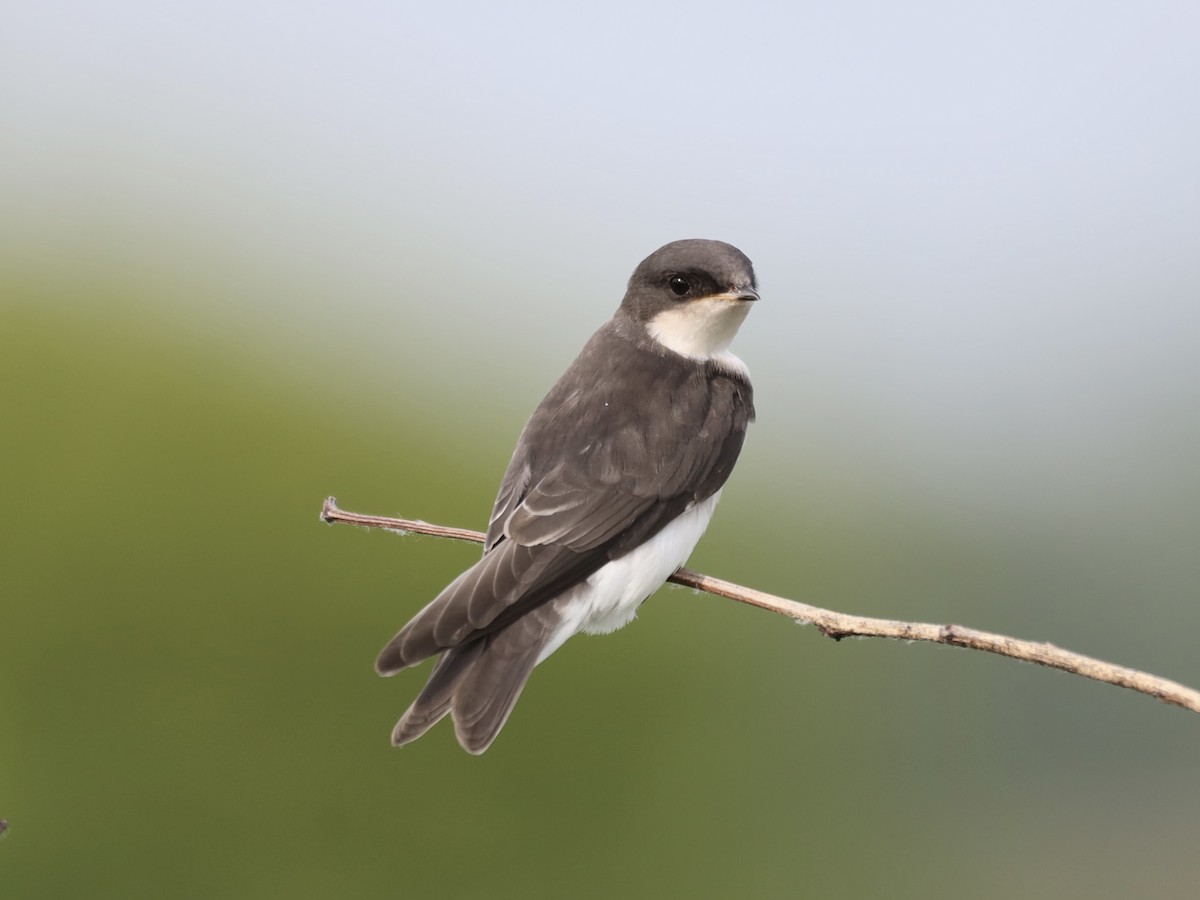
column 829, row 631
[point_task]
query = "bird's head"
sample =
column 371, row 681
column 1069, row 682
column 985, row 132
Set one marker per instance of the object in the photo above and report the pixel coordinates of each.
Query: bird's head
column 691, row 296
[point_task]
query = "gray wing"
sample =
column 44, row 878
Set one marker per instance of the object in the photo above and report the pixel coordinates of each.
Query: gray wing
column 596, row 472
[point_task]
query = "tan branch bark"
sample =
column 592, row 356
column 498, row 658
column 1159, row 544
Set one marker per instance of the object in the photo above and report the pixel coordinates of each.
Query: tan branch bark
column 839, row 625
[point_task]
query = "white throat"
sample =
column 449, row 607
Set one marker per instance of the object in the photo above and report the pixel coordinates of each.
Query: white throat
column 701, row 329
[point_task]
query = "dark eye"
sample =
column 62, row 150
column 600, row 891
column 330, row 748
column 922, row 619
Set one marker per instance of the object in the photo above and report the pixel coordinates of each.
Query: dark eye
column 679, row 285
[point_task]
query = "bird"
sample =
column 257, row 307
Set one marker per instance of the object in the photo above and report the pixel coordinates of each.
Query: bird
column 613, row 481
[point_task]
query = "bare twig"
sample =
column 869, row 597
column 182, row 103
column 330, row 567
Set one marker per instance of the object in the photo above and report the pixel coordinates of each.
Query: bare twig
column 839, row 625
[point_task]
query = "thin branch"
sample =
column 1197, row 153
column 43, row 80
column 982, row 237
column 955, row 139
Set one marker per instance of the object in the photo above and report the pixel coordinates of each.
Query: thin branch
column 840, row 625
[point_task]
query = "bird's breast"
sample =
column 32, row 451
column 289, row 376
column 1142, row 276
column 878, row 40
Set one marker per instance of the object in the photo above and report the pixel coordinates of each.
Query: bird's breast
column 609, row 599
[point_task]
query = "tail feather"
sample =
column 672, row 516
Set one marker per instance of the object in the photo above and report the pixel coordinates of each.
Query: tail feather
column 479, row 683
column 433, row 702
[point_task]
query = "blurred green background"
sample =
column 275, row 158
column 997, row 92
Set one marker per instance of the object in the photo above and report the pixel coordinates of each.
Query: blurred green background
column 254, row 255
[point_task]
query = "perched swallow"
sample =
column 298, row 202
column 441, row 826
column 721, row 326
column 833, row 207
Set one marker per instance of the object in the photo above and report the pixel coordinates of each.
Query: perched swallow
column 612, row 483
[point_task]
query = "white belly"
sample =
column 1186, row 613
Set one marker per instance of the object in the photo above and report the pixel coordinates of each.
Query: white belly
column 609, row 599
